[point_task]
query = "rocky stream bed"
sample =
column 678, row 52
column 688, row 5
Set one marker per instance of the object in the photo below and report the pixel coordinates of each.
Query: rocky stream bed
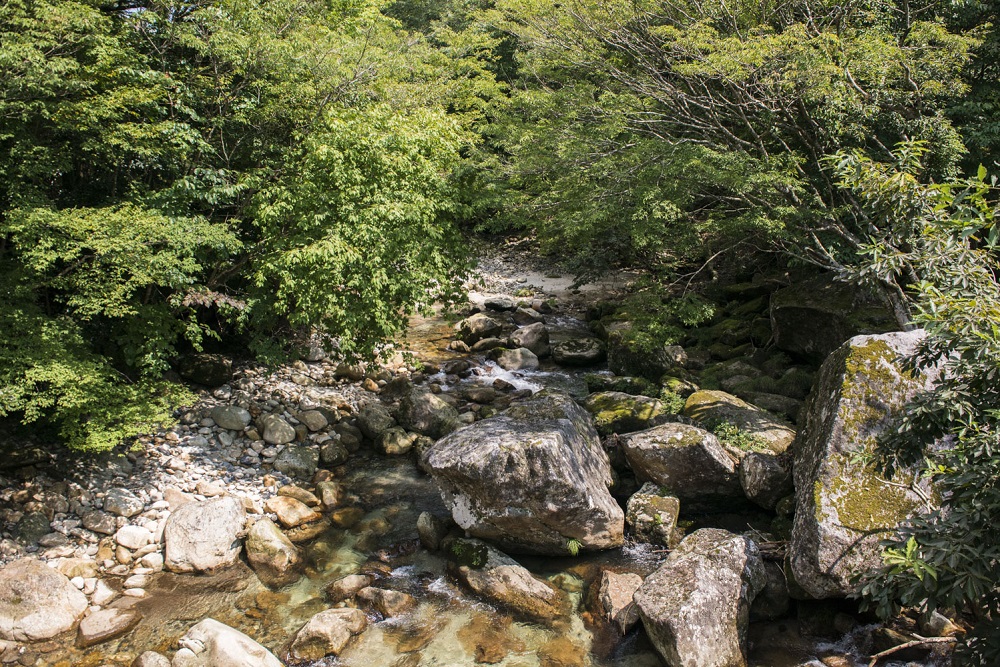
column 520, row 491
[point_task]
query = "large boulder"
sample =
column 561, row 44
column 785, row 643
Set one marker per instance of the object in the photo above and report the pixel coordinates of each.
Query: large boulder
column 520, row 359
column 535, row 337
column 422, row 412
column 843, row 508
column 814, row 317
column 618, row 412
column 627, row 355
column 231, row 417
column 204, row 537
column 533, row 479
column 502, row 580
column 374, row 419
column 214, row 644
column 585, row 351
column 712, row 408
column 696, row 607
column 765, row 479
column 686, row 461
column 273, row 557
column 327, row 633
column 473, row 329
column 37, row 602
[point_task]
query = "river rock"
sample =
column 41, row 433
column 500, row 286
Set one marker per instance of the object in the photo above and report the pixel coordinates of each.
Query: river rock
column 618, row 412
column 211, row 370
column 36, row 602
column 615, row 595
column 814, row 317
column 272, row 555
column 214, row 644
column 327, row 633
column 628, row 356
column 122, row 502
column 106, row 624
column 276, row 430
column 374, row 419
column 502, row 580
column 133, row 537
column 652, row 515
column 533, row 478
column 534, row 337
column 520, row 359
column 205, row 536
column 299, row 461
column 843, row 509
column 765, row 479
column 579, row 352
column 431, row 530
column 712, row 408
column 685, row 461
column 473, row 329
column 388, row 603
column 32, row 527
column 231, row 417
column 347, row 587
column 773, row 600
column 314, row 420
column 151, row 659
column 333, row 452
column 291, row 512
column 696, row 607
column 426, row 413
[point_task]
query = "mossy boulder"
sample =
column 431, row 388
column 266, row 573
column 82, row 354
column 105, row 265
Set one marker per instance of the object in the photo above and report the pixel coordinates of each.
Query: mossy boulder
column 584, row 351
column 712, row 408
column 629, row 354
column 652, row 516
column 843, row 508
column 533, row 479
column 630, row 385
column 618, row 412
column 814, row 317
column 425, row 413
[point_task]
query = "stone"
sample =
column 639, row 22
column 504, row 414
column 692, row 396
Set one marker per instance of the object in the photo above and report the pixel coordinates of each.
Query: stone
column 347, row 587
column 99, row 522
column 151, row 659
column 272, row 556
column 300, row 494
column 230, row 417
column 618, row 412
column 579, row 352
column 211, row 370
column 37, row 602
column 521, row 359
column 77, row 567
column 534, row 337
column 696, row 607
column 333, row 452
column 133, row 537
column 327, row 633
column 396, row 441
column 524, row 316
column 473, row 329
column 314, row 420
column 32, row 527
column 532, row 479
column 487, row 344
column 277, row 431
column 765, row 479
column 628, row 355
column 814, row 317
column 307, row 531
column 773, row 600
column 176, row 498
column 652, row 515
column 205, row 536
column 431, row 530
column 615, row 596
column 329, row 494
column 214, row 644
column 291, row 512
column 299, row 461
column 426, row 413
column 106, row 624
column 713, row 408
column 374, row 419
column 386, row 602
column 843, row 508
column 502, row 580
column 685, row 461
column 499, row 303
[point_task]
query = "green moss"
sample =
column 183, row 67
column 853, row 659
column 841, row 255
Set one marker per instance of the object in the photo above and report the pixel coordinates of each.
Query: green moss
column 872, row 378
column 863, row 501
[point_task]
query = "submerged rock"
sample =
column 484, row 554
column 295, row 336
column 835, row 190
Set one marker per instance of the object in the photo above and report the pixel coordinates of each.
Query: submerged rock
column 214, row 644
column 533, row 479
column 843, row 509
column 272, row 555
column 616, row 598
column 104, row 625
column 204, row 537
column 696, row 607
column 37, row 602
column 712, row 408
column 327, row 633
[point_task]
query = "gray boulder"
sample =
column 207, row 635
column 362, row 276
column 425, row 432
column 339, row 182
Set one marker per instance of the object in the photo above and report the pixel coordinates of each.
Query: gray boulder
column 231, row 417
column 696, row 607
column 535, row 337
column 765, row 479
column 276, row 430
column 520, row 359
column 843, row 509
column 214, row 644
column 712, row 408
column 479, row 326
column 122, row 502
column 618, row 412
column 204, row 537
column 685, row 461
column 428, row 414
column 579, row 352
column 37, row 602
column 297, row 461
column 272, row 555
column 374, row 419
column 652, row 515
column 327, row 633
column 533, row 479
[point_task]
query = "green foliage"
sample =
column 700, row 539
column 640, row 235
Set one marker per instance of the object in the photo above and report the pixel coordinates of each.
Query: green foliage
column 673, row 403
column 657, row 321
column 733, row 436
column 945, row 239
column 573, row 547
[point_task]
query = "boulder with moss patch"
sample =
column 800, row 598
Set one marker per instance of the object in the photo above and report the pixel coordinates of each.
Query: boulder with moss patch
column 618, row 412
column 532, row 479
column 843, row 508
column 714, row 408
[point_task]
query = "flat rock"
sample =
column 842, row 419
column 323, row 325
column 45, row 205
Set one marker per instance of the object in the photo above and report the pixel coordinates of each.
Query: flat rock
column 122, row 502
column 327, row 633
column 273, row 557
column 618, row 412
column 214, row 644
column 712, row 408
column 106, row 624
column 579, row 352
column 231, row 417
column 291, row 512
